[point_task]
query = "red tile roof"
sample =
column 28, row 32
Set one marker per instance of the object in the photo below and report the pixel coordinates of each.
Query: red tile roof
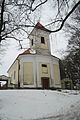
column 26, row 52
column 40, row 26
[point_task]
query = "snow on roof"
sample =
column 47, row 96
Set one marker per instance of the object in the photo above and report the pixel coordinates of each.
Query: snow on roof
column 3, row 77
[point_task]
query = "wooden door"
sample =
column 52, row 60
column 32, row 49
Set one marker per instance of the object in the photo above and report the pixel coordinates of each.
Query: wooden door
column 45, row 83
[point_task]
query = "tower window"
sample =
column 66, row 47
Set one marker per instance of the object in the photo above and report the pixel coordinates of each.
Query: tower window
column 32, row 42
column 42, row 40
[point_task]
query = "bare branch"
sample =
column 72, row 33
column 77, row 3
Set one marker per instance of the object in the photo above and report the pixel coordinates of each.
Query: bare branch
column 39, row 5
column 13, row 38
column 10, row 32
column 54, row 22
column 67, row 16
column 16, row 40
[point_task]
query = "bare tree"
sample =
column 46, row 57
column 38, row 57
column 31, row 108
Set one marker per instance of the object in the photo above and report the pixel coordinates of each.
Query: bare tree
column 18, row 15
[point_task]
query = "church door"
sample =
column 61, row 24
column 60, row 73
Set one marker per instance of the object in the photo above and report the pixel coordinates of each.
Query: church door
column 45, row 82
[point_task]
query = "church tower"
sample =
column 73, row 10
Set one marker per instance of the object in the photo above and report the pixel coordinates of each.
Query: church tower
column 39, row 38
column 36, row 67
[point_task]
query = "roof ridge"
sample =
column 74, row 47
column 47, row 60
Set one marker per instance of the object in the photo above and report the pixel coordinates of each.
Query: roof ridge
column 40, row 26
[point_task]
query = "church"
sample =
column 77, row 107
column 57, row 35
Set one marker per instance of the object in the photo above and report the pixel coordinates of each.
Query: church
column 36, row 67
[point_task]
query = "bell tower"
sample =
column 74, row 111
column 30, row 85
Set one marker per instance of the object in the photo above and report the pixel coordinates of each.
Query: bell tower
column 39, row 39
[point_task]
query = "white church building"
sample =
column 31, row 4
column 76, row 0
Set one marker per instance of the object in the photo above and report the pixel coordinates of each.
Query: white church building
column 36, row 67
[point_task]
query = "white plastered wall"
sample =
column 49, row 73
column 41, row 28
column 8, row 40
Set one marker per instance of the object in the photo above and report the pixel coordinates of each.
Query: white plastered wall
column 36, row 36
column 37, row 60
column 13, row 68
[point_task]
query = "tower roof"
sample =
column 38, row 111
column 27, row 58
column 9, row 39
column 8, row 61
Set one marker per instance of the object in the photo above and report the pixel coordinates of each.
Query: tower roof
column 40, row 26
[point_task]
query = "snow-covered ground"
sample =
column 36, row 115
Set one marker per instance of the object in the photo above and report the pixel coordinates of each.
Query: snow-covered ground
column 39, row 105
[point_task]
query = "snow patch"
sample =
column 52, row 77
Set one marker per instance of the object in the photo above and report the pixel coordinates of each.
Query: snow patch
column 35, row 104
